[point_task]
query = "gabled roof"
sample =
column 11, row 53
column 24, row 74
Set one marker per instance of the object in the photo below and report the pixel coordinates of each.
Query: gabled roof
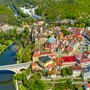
column 61, row 46
column 36, row 54
column 46, row 52
column 51, row 40
column 68, row 59
column 33, row 64
column 86, row 52
column 78, row 56
column 84, row 60
column 68, row 49
column 76, row 68
column 52, row 72
column 88, row 85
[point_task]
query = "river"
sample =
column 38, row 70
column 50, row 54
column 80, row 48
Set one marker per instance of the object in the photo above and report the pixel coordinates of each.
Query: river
column 6, row 77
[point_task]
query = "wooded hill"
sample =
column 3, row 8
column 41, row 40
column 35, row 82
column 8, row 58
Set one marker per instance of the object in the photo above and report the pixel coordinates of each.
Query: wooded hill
column 6, row 15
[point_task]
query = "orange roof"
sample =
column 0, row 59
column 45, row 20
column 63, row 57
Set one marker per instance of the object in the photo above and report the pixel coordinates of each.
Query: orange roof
column 61, row 34
column 46, row 52
column 33, row 64
column 52, row 65
column 4, row 24
column 80, row 29
column 36, row 54
column 52, row 72
column 88, row 85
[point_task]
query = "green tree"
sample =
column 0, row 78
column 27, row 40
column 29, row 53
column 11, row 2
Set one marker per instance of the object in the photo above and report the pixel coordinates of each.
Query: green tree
column 7, row 43
column 69, row 71
column 26, row 30
column 28, row 70
column 13, row 38
column 63, row 71
column 0, row 48
column 26, row 57
column 3, row 41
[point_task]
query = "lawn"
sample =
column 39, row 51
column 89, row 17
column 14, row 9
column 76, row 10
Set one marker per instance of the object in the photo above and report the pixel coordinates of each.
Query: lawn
column 5, row 46
column 77, row 79
column 58, row 80
column 21, row 87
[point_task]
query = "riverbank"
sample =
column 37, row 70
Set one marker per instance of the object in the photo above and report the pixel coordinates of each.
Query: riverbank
column 5, row 46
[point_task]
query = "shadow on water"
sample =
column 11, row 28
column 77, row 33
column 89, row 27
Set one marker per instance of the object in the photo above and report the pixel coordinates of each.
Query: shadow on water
column 1, row 54
column 6, row 82
column 6, row 72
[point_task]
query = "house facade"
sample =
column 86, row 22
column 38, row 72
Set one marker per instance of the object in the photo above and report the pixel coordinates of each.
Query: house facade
column 51, row 43
column 87, row 86
column 76, row 70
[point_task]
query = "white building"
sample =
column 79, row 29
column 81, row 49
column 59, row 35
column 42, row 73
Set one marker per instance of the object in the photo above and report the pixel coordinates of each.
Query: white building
column 76, row 70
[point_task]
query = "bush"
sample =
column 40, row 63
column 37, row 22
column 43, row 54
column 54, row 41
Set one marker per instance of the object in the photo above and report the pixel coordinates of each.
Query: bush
column 7, row 43
column 13, row 38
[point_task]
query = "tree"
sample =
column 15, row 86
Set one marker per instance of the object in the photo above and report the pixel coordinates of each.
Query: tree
column 3, row 41
column 13, row 38
column 82, row 25
column 40, row 74
column 7, row 43
column 64, row 72
column 0, row 48
column 49, row 36
column 26, row 57
column 69, row 71
column 17, row 56
column 59, row 37
column 18, row 76
column 26, row 30
column 28, row 70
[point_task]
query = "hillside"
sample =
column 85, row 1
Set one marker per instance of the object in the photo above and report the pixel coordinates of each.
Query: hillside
column 51, row 9
column 6, row 15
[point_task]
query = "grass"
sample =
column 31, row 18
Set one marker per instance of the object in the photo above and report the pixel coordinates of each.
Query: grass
column 14, row 82
column 48, row 85
column 21, row 87
column 5, row 46
column 60, row 80
column 77, row 79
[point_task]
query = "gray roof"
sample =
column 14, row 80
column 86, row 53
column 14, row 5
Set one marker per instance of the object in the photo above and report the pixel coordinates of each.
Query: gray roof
column 45, row 59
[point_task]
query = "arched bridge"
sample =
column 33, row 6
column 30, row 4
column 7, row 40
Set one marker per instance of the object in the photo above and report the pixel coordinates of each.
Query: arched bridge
column 16, row 67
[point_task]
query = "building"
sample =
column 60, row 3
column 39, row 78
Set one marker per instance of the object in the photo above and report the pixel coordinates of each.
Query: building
column 33, row 65
column 86, row 73
column 45, row 61
column 40, row 39
column 35, row 57
column 51, row 43
column 76, row 70
column 68, row 50
column 52, row 73
column 87, row 86
column 61, row 48
column 68, row 61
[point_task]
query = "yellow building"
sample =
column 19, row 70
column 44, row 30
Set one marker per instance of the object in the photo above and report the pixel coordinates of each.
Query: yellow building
column 45, row 61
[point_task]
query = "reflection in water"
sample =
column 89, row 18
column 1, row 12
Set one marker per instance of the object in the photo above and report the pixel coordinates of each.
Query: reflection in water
column 5, row 50
column 8, row 48
column 0, row 60
column 7, row 58
column 1, row 54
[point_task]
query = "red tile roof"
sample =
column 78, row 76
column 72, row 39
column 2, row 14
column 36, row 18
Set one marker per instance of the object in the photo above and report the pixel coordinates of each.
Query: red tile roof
column 84, row 60
column 36, row 49
column 79, row 56
column 45, row 52
column 76, row 68
column 68, row 49
column 49, row 66
column 84, row 56
column 52, row 65
column 88, row 85
column 61, row 46
column 52, row 72
column 36, row 54
column 68, row 59
column 33, row 64
column 86, row 52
